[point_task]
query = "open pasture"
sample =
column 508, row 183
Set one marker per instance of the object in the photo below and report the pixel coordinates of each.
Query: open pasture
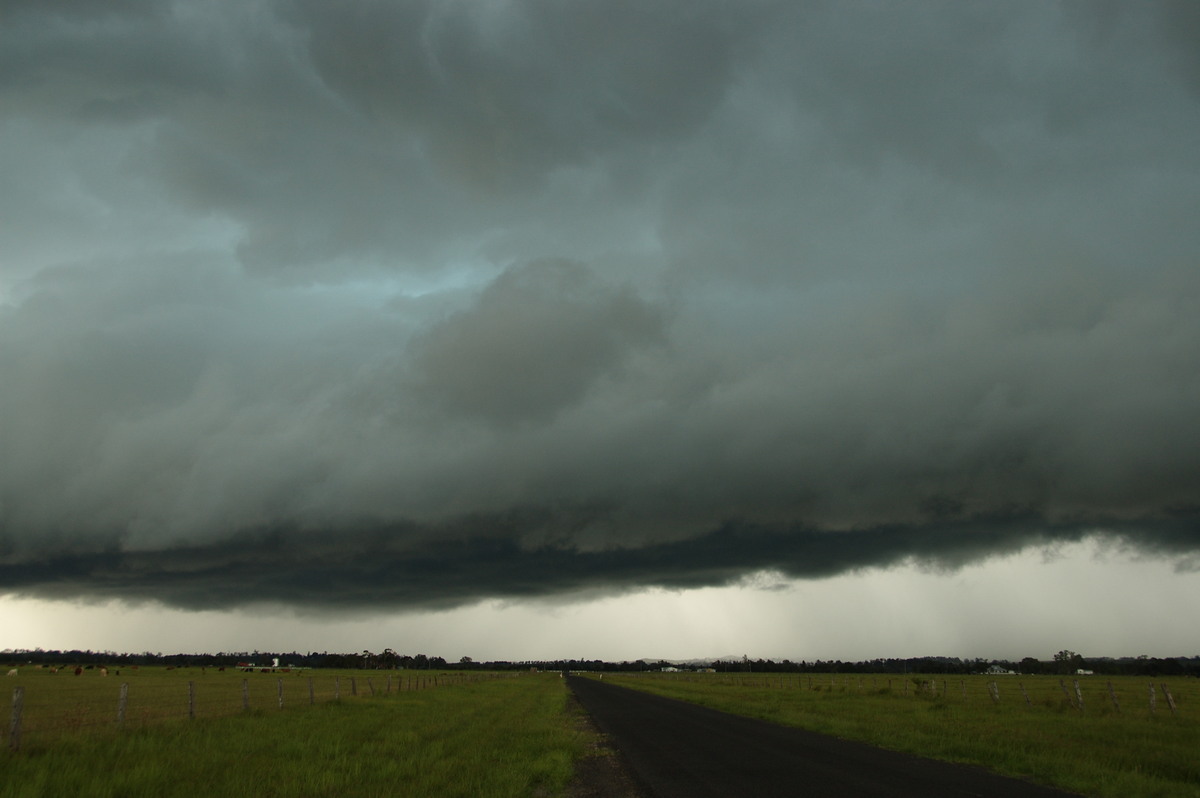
column 48, row 705
column 1100, row 749
column 487, row 738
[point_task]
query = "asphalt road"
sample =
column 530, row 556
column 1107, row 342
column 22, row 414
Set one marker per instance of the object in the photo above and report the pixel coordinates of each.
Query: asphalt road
column 678, row 750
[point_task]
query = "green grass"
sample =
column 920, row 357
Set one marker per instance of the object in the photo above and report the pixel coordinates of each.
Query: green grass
column 58, row 705
column 513, row 736
column 1099, row 751
column 501, row 737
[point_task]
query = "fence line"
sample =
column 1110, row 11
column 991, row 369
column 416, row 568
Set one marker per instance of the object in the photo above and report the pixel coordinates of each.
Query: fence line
column 69, row 708
column 916, row 686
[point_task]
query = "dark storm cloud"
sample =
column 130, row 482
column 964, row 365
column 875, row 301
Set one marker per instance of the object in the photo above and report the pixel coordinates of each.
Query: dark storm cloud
column 537, row 340
column 502, row 96
column 427, row 302
column 368, row 568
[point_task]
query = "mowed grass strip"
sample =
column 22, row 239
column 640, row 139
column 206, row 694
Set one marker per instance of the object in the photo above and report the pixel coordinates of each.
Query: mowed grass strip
column 502, row 737
column 1098, row 751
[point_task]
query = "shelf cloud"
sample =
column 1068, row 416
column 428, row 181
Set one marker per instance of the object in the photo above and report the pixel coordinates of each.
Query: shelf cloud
column 419, row 304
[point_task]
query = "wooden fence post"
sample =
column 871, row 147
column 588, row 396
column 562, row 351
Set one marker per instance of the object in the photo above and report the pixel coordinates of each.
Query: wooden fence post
column 353, row 686
column 245, row 695
column 280, row 687
column 1062, row 683
column 1025, row 693
column 1079, row 695
column 1170, row 698
column 122, row 698
column 311, row 698
column 1113, row 695
column 14, row 726
column 1152, row 700
column 337, row 688
column 370, row 686
column 191, row 700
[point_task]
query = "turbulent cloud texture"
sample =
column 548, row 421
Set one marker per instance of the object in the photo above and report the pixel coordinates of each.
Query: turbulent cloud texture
column 425, row 302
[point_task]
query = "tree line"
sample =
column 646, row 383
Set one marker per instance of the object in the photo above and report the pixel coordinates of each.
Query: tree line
column 1062, row 662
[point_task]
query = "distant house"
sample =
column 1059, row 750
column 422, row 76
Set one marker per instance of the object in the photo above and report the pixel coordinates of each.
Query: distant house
column 670, row 669
column 1084, row 672
column 999, row 670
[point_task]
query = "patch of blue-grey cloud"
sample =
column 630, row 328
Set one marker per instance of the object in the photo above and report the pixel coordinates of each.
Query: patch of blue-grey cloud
column 434, row 302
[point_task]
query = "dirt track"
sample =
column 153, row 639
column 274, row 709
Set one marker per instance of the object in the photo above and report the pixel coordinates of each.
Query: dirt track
column 678, row 750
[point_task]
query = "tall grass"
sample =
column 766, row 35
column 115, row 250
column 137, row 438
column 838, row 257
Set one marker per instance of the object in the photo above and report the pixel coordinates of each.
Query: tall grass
column 1096, row 751
column 504, row 737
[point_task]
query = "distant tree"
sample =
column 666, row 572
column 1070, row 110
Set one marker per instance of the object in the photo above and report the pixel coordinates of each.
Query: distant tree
column 1066, row 661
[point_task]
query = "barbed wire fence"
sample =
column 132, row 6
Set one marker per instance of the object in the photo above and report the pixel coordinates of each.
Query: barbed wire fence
column 53, row 709
column 1056, row 694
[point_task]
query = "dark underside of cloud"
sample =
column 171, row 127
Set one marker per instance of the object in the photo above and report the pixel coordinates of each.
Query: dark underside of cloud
column 415, row 304
column 367, row 570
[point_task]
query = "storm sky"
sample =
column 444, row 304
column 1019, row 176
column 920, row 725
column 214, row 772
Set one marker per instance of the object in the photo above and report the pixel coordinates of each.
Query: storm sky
column 543, row 322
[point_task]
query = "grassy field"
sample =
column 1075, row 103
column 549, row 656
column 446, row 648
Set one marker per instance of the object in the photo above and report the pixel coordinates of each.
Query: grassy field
column 1098, row 751
column 496, row 737
column 360, row 733
column 60, row 704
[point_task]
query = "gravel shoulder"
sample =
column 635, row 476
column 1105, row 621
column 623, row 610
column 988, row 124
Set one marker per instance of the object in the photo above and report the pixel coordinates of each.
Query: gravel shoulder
column 603, row 773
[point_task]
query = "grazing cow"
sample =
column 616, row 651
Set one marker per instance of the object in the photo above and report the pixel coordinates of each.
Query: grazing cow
column 104, row 671
column 78, row 671
column 12, row 672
